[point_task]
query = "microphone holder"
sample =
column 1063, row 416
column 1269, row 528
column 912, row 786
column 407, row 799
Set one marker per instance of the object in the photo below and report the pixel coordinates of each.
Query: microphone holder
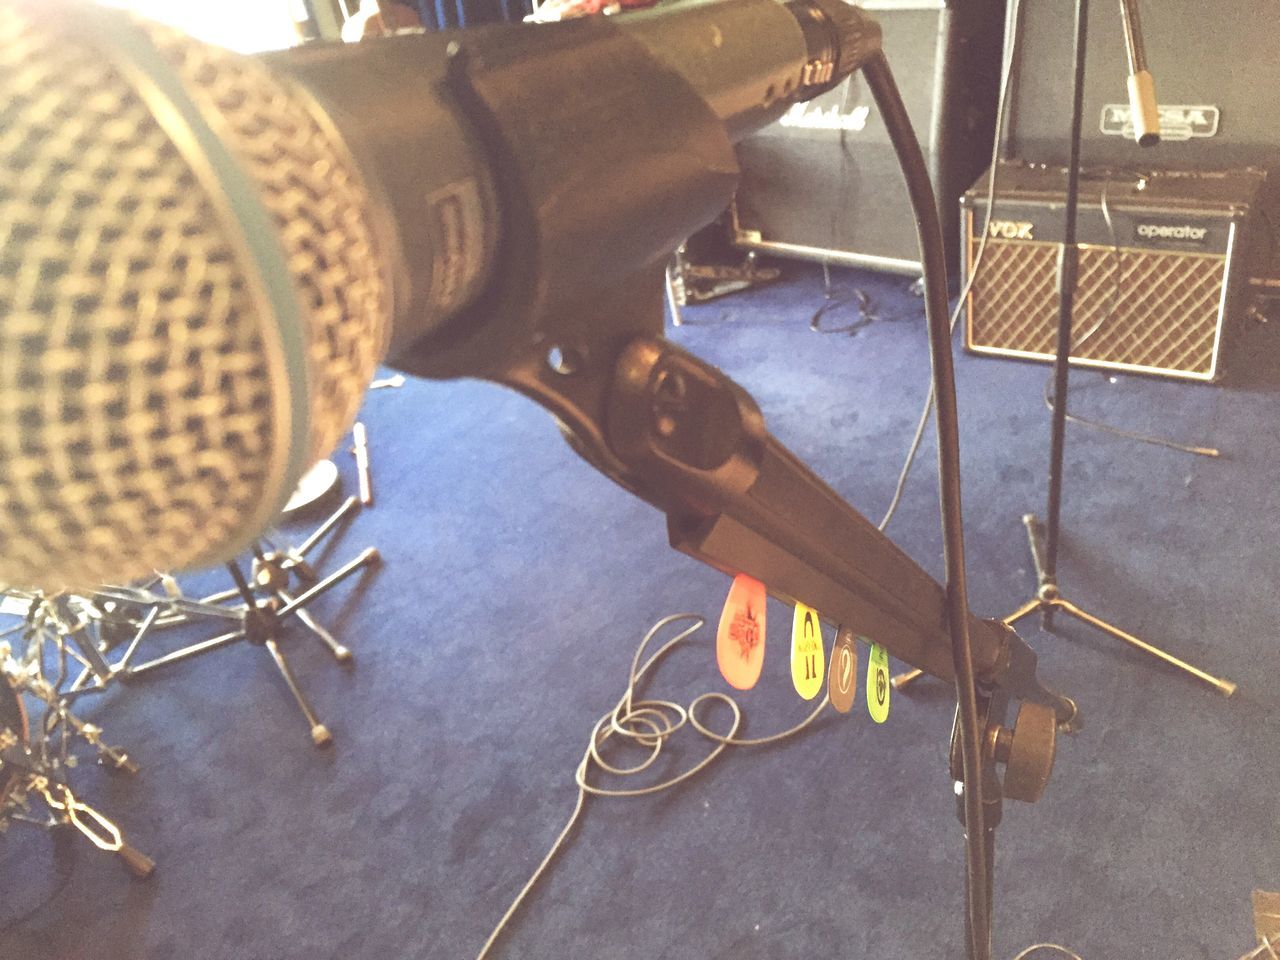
column 1044, row 537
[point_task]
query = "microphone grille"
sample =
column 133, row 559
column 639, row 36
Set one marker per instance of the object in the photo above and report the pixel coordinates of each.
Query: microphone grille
column 145, row 397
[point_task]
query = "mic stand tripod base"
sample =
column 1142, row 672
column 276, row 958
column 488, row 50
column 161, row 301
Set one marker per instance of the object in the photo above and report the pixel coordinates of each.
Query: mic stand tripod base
column 1049, row 600
column 266, row 604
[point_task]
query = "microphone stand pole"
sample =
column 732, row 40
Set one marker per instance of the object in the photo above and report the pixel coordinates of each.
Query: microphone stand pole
column 1044, row 538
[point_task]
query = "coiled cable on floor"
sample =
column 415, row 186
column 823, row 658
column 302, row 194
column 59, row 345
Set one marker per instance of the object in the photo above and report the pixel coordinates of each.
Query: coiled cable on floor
column 648, row 723
column 1071, row 955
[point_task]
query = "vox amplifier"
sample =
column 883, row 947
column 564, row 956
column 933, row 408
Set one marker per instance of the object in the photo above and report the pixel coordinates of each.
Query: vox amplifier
column 1165, row 262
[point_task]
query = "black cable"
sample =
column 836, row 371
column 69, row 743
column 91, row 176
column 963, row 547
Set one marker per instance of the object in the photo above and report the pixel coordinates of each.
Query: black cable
column 830, row 301
column 1012, row 53
column 933, row 259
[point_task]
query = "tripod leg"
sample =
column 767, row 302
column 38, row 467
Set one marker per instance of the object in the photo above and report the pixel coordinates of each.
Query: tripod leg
column 675, row 290
column 185, row 653
column 340, row 652
column 366, row 557
column 905, row 678
column 135, row 861
column 320, row 734
column 1225, row 687
column 321, row 531
column 1025, row 610
column 147, row 623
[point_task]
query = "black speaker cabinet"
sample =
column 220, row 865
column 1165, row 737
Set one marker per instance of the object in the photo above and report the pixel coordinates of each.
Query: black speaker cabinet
column 1165, row 260
column 823, row 183
column 1217, row 77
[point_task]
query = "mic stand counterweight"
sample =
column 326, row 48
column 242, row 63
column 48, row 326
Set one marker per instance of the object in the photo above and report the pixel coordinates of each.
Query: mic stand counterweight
column 1044, row 539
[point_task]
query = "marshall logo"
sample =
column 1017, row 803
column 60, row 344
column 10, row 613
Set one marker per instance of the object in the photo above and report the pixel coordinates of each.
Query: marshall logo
column 1181, row 232
column 1011, row 229
column 807, row 116
column 1176, row 123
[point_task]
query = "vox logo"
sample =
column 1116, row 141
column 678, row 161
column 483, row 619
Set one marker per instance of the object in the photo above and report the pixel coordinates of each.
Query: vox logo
column 1011, row 229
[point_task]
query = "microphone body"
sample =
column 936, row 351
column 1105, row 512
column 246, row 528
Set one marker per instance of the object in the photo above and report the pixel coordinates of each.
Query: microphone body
column 585, row 150
column 206, row 255
column 1140, row 84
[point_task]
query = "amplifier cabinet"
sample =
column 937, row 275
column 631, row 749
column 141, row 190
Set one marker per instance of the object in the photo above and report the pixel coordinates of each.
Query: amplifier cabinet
column 823, row 183
column 1164, row 265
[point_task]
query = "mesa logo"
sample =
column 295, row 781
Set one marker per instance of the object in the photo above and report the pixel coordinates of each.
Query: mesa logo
column 1181, row 122
column 1011, row 229
column 1181, row 232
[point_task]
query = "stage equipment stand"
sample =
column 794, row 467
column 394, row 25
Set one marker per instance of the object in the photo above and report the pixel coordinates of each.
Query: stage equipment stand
column 1044, row 538
column 266, row 603
column 36, row 756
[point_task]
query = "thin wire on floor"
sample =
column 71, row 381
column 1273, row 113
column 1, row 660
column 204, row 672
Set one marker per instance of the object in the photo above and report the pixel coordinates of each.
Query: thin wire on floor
column 1047, row 946
column 647, row 723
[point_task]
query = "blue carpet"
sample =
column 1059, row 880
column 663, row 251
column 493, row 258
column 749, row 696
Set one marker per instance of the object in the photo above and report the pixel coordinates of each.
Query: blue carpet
column 515, row 586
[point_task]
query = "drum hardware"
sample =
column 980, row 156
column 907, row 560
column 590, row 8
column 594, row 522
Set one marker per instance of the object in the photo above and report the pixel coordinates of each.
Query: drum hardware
column 36, row 769
column 690, row 281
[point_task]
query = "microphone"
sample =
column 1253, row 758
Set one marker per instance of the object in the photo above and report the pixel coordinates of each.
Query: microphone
column 205, row 255
column 1141, row 85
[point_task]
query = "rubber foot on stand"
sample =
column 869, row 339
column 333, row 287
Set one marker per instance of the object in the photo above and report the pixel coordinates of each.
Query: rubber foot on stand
column 125, row 764
column 138, row 863
column 321, row 736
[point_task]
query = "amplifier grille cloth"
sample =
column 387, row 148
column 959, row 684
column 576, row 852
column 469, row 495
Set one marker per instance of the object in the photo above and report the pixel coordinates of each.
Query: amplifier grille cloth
column 1165, row 314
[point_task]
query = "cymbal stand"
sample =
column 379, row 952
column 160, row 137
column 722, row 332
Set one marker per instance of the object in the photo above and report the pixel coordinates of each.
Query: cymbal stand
column 1044, row 538
column 36, row 764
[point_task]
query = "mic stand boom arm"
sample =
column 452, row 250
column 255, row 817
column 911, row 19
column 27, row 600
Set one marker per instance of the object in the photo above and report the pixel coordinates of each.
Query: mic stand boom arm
column 673, row 430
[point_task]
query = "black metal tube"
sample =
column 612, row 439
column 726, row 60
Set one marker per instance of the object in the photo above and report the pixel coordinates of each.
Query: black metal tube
column 1133, row 47
column 1068, row 268
column 932, row 256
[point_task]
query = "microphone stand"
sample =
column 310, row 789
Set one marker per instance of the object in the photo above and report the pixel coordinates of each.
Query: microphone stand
column 1044, row 537
column 682, row 436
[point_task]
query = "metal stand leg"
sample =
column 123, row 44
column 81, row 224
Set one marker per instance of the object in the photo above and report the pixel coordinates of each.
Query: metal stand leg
column 186, row 653
column 367, row 557
column 675, row 292
column 265, row 601
column 122, row 665
column 1049, row 599
column 340, row 653
column 320, row 734
column 263, row 624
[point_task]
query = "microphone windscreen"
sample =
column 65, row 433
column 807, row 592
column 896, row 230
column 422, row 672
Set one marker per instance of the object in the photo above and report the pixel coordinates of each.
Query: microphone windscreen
column 192, row 300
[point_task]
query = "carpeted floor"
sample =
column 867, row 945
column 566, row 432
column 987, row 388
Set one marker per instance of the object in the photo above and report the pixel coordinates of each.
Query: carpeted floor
column 515, row 587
